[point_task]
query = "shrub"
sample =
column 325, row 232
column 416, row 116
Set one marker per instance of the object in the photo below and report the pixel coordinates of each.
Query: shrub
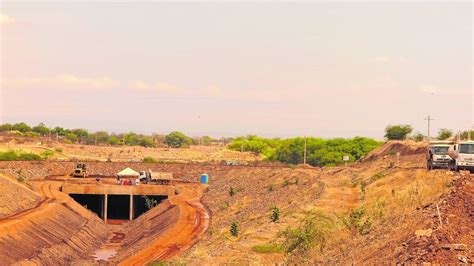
column 113, row 140
column 270, row 188
column 275, row 214
column 444, row 134
column 357, row 221
column 391, row 164
column 232, row 191
column 46, row 154
column 418, row 137
column 270, row 248
column 149, row 159
column 20, row 177
column 149, row 202
column 398, row 132
column 234, row 229
column 314, row 230
column 27, row 156
column 60, row 150
column 12, row 155
column 146, row 142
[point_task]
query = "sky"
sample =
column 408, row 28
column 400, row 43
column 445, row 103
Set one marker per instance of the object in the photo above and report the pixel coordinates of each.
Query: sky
column 275, row 69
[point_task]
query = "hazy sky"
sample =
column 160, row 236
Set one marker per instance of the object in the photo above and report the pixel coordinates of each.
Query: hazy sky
column 273, row 69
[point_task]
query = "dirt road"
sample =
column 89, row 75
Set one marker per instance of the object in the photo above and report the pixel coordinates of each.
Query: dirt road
column 193, row 221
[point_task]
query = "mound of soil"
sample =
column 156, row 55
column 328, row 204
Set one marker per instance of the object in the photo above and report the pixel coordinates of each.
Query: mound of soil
column 391, row 148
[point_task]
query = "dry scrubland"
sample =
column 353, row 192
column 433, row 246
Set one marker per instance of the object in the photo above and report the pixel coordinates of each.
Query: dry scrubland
column 376, row 211
column 124, row 153
column 395, row 202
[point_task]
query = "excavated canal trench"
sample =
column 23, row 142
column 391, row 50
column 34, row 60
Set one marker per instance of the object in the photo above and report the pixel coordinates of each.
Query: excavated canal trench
column 91, row 228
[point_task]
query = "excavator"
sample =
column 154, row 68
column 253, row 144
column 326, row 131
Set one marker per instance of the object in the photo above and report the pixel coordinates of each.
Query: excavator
column 80, row 171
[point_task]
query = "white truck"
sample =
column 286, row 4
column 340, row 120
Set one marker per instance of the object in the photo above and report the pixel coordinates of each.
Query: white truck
column 462, row 156
column 160, row 178
column 437, row 156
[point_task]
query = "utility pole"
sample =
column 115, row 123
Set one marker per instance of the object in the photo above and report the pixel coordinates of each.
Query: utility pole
column 429, row 119
column 304, row 153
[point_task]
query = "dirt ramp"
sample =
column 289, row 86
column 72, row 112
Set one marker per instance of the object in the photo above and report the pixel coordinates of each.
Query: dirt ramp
column 391, row 148
column 146, row 228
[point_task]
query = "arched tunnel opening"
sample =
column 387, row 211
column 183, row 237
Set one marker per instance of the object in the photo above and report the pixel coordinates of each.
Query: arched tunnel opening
column 93, row 202
column 143, row 203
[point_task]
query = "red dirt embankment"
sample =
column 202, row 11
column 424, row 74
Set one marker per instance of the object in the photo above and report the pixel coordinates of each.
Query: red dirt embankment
column 192, row 221
column 56, row 232
column 449, row 234
column 147, row 228
column 15, row 197
column 36, row 170
column 391, row 148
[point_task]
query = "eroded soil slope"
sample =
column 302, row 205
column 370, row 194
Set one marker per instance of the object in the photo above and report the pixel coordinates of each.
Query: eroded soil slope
column 56, row 232
column 15, row 197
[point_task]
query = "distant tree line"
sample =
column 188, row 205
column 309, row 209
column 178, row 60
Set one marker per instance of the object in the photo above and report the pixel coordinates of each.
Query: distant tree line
column 404, row 132
column 320, row 152
column 175, row 139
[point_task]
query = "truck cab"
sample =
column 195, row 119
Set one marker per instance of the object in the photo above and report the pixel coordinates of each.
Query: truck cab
column 462, row 156
column 437, row 156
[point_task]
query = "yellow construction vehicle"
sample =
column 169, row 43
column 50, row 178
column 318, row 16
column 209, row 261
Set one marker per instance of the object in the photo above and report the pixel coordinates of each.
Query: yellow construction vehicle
column 80, row 171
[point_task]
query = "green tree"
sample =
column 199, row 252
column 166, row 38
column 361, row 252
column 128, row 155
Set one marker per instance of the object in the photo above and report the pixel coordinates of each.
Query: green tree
column 397, row 132
column 418, row 137
column 177, row 139
column 465, row 134
column 101, row 136
column 41, row 129
column 71, row 136
column 6, row 127
column 444, row 133
column 22, row 127
column 206, row 140
column 113, row 140
column 59, row 130
column 81, row 133
column 131, row 139
column 146, row 142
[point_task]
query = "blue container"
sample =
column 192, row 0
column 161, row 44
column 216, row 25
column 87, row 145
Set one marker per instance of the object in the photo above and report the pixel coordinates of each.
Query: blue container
column 204, row 179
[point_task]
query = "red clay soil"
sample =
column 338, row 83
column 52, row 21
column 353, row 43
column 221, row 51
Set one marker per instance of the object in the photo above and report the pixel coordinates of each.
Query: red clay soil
column 38, row 170
column 56, row 232
column 192, row 222
column 453, row 241
column 393, row 147
column 15, row 197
